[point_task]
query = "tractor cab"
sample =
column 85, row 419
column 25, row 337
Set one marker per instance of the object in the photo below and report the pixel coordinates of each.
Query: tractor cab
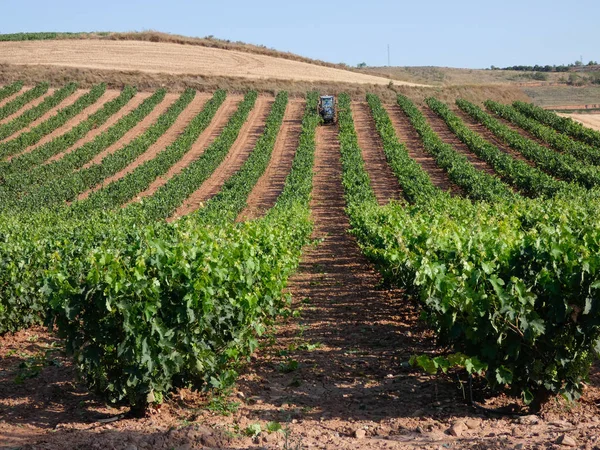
column 327, row 108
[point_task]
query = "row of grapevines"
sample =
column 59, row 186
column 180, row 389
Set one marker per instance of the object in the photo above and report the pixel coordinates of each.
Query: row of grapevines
column 562, row 124
column 79, row 157
column 415, row 181
column 527, row 179
column 557, row 141
column 144, row 306
column 563, row 166
column 10, row 89
column 227, row 204
column 67, row 188
column 34, row 135
column 31, row 36
column 479, row 185
column 232, row 198
column 16, row 104
column 124, row 189
column 513, row 284
column 36, row 112
column 29, row 160
column 355, row 179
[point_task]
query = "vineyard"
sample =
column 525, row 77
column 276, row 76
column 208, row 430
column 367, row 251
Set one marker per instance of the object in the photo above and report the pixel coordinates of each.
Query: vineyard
column 163, row 237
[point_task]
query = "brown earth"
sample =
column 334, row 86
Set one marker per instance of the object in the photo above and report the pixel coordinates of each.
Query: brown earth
column 26, row 106
column 264, row 195
column 74, row 121
column 182, row 121
column 137, row 130
column 589, row 120
column 334, row 378
column 93, row 134
column 159, row 57
column 251, row 130
column 212, row 131
column 408, row 135
column 384, row 182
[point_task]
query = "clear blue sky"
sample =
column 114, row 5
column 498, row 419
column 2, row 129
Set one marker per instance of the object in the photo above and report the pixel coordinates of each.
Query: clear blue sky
column 463, row 33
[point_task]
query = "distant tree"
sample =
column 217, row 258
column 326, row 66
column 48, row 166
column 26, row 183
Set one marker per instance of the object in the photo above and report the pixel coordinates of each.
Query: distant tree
column 578, row 63
column 575, row 80
column 361, row 65
column 593, row 63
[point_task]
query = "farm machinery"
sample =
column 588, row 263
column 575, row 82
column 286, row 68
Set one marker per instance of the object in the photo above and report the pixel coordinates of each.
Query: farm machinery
column 327, row 108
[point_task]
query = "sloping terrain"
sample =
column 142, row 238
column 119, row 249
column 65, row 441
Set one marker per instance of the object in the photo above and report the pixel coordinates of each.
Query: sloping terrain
column 174, row 59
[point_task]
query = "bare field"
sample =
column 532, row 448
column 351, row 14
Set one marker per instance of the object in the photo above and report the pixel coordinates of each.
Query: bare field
column 174, row 59
column 589, row 120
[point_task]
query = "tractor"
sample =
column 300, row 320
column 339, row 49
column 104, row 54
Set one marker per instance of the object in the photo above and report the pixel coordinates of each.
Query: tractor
column 327, row 108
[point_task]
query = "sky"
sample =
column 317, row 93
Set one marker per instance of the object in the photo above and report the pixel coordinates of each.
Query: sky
column 459, row 33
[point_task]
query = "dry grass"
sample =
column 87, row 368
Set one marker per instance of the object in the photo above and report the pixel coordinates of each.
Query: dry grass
column 171, row 58
column 144, row 81
column 448, row 76
column 564, row 95
column 209, row 41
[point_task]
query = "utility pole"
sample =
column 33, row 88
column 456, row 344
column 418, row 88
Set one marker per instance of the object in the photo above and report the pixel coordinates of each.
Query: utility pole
column 389, row 55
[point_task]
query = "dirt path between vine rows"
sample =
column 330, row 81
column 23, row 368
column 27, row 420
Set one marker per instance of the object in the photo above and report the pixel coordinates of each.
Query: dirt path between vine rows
column 271, row 183
column 237, row 155
column 36, row 101
column 27, row 107
column 138, row 129
column 408, row 135
column 212, row 131
column 132, row 104
column 72, row 122
column 384, row 182
column 182, row 121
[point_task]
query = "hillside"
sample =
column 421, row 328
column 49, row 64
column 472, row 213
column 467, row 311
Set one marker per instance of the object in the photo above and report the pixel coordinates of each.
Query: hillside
column 158, row 57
